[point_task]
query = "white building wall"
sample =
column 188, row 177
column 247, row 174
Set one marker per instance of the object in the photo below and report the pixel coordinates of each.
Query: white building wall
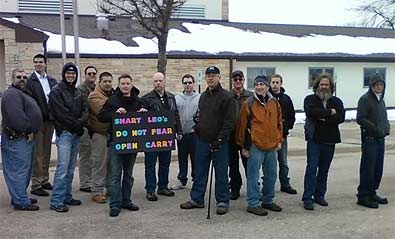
column 8, row 5
column 348, row 76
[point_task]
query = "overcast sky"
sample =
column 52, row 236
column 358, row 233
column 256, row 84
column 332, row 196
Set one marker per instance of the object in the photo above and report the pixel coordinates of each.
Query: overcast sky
column 312, row 12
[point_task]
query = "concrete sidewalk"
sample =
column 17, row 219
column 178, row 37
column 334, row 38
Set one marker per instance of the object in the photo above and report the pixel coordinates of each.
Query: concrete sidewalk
column 350, row 135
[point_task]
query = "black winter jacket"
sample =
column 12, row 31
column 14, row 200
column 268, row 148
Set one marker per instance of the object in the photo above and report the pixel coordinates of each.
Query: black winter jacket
column 68, row 107
column 320, row 126
column 117, row 100
column 372, row 115
column 287, row 109
column 154, row 103
column 217, row 115
column 34, row 86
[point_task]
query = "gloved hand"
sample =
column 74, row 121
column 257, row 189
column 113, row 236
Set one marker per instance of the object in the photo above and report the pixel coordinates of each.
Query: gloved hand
column 214, row 146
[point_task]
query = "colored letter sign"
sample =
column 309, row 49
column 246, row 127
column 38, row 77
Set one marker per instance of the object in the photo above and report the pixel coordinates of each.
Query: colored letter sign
column 143, row 132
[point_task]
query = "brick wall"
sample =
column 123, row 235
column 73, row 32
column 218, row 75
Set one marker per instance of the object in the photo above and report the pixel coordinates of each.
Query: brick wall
column 142, row 70
column 16, row 54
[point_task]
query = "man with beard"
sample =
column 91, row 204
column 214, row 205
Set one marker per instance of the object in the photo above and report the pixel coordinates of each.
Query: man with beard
column 40, row 84
column 84, row 158
column 372, row 117
column 99, row 133
column 324, row 113
column 70, row 111
column 21, row 118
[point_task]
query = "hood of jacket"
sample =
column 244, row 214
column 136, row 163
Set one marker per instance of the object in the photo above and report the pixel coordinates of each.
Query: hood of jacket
column 67, row 67
column 376, row 78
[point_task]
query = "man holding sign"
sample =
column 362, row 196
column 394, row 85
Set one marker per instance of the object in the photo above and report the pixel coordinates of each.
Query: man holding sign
column 124, row 100
column 160, row 100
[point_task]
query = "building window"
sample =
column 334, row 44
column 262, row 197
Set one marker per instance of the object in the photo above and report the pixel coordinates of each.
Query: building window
column 368, row 72
column 314, row 72
column 190, row 11
column 44, row 6
column 252, row 72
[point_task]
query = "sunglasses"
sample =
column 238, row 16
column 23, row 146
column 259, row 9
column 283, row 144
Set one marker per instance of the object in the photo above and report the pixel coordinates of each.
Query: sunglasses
column 20, row 77
column 91, row 73
column 188, row 83
column 36, row 62
column 237, row 79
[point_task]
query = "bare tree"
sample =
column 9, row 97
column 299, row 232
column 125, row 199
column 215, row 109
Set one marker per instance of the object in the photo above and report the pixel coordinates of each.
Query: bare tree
column 377, row 13
column 152, row 15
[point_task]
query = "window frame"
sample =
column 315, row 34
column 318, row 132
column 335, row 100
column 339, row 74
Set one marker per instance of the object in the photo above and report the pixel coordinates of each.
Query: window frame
column 262, row 68
column 373, row 68
column 323, row 70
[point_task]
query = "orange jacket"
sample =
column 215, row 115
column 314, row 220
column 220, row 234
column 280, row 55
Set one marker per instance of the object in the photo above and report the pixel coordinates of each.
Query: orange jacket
column 266, row 124
column 96, row 100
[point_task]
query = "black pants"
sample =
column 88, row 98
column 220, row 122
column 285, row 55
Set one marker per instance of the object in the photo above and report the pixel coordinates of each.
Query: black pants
column 234, row 173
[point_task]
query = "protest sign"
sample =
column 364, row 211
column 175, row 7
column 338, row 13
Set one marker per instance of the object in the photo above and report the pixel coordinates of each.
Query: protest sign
column 143, row 132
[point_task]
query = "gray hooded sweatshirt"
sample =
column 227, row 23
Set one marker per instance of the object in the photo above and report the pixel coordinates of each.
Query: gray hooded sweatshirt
column 187, row 105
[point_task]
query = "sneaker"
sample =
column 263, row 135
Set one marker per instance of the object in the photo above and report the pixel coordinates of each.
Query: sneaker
column 260, row 211
column 308, row 206
column 272, row 206
column 40, row 192
column 47, row 186
column 166, row 192
column 73, row 202
column 151, row 197
column 179, row 185
column 86, row 189
column 30, row 207
column 234, row 194
column 379, row 199
column 367, row 202
column 288, row 190
column 99, row 198
column 190, row 205
column 321, row 201
column 131, row 207
column 221, row 210
column 114, row 212
column 61, row 208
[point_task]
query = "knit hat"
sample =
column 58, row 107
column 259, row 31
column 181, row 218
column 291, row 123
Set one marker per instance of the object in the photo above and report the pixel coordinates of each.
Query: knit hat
column 261, row 79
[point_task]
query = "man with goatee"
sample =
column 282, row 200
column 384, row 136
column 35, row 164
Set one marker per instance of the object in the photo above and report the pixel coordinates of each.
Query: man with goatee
column 324, row 113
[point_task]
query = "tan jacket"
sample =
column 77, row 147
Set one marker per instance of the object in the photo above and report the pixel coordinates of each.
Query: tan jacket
column 96, row 100
column 266, row 124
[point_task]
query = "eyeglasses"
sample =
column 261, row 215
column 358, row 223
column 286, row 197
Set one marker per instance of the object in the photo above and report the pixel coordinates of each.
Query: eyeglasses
column 237, row 79
column 20, row 77
column 188, row 82
column 91, row 73
column 38, row 62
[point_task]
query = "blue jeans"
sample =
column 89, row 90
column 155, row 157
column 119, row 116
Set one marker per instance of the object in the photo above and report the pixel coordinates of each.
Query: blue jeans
column 68, row 145
column 267, row 160
column 371, row 168
column 221, row 163
column 17, row 155
column 282, row 155
column 163, row 172
column 186, row 147
column 319, row 156
column 121, row 193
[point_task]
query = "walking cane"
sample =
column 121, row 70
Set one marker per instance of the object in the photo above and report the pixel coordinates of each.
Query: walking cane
column 211, row 183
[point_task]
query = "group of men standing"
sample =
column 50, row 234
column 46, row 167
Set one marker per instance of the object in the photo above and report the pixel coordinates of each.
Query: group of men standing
column 216, row 127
